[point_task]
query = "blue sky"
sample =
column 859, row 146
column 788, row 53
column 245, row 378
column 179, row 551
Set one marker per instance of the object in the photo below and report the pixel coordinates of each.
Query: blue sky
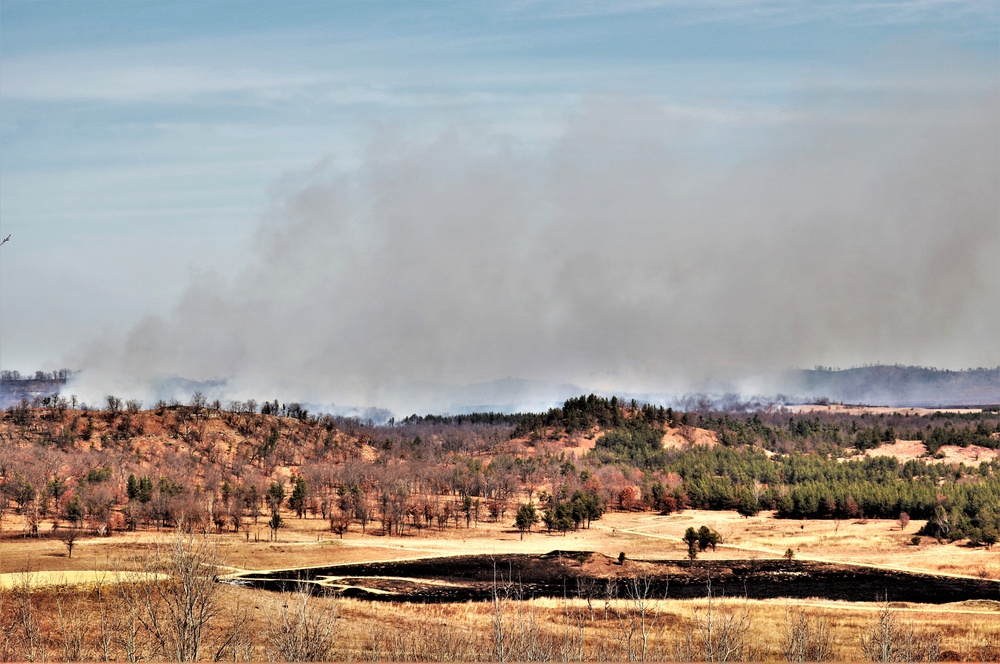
column 145, row 144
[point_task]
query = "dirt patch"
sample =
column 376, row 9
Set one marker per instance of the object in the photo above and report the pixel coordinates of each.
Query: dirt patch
column 578, row 444
column 905, row 450
column 686, row 436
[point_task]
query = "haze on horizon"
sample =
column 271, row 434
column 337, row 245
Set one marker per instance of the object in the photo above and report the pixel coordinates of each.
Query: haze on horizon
column 372, row 204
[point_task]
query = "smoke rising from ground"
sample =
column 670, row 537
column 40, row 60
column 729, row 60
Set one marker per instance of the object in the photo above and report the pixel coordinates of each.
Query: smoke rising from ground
column 617, row 256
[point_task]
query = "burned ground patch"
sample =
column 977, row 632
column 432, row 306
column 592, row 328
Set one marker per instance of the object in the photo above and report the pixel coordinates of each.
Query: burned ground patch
column 584, row 574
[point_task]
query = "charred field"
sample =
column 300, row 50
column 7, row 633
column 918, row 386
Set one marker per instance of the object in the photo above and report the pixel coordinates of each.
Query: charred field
column 591, row 575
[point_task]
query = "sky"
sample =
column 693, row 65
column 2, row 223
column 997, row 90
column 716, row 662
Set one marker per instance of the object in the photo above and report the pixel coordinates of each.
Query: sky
column 379, row 203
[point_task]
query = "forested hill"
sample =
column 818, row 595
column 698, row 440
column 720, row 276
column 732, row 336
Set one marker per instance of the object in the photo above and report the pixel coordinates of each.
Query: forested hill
column 899, row 385
column 124, row 467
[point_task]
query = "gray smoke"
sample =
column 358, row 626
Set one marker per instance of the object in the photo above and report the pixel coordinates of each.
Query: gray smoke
column 617, row 256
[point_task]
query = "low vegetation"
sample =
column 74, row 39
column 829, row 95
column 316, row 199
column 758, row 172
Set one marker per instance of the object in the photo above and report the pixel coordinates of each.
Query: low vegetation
column 204, row 472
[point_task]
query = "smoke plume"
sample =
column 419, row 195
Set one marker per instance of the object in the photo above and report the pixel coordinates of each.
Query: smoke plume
column 616, row 256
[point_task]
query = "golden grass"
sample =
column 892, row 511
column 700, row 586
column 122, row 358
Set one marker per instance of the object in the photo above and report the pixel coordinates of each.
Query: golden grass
column 641, row 535
column 565, row 629
column 12, row 580
column 557, row 629
column 595, row 631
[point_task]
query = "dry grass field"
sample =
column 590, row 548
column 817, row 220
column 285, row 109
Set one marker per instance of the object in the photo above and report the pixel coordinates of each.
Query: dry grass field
column 630, row 626
column 641, row 535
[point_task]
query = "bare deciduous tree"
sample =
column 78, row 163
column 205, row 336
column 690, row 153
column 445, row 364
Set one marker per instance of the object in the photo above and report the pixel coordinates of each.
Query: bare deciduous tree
column 888, row 639
column 721, row 633
column 72, row 623
column 904, row 520
column 304, row 630
column 636, row 617
column 69, row 537
column 180, row 599
column 517, row 635
column 805, row 640
column 237, row 641
column 25, row 633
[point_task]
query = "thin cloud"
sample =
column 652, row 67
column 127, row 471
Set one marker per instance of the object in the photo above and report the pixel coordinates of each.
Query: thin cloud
column 46, row 79
column 771, row 12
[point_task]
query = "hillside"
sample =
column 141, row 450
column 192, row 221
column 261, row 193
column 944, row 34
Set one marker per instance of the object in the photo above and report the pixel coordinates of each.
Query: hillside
column 125, row 468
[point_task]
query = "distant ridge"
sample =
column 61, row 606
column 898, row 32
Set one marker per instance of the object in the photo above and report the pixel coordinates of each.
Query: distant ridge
column 896, row 385
column 876, row 385
column 13, row 391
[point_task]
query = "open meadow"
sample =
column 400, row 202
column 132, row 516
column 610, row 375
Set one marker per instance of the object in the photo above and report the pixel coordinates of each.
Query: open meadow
column 73, row 598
